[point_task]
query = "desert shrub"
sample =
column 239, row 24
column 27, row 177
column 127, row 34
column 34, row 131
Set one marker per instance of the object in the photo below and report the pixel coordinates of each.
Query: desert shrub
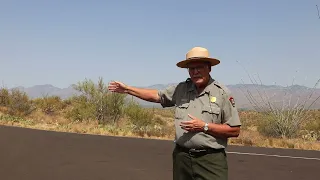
column 115, row 104
column 96, row 102
column 50, row 105
column 4, row 97
column 164, row 112
column 143, row 121
column 250, row 118
column 81, row 109
column 281, row 117
column 19, row 104
column 282, row 124
column 312, row 128
column 138, row 116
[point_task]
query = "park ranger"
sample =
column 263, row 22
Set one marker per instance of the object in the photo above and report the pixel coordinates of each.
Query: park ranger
column 205, row 117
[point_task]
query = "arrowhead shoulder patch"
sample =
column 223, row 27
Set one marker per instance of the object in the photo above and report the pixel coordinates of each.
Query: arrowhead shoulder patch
column 233, row 103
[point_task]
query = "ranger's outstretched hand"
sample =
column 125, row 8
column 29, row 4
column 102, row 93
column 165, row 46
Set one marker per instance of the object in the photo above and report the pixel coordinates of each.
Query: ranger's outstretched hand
column 116, row 86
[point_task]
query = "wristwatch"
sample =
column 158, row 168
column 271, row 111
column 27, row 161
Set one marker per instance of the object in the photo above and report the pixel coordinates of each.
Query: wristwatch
column 205, row 128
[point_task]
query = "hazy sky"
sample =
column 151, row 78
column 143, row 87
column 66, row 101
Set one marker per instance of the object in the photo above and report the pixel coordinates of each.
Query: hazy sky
column 139, row 42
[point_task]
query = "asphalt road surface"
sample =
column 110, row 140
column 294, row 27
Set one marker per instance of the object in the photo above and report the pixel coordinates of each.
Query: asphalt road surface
column 27, row 154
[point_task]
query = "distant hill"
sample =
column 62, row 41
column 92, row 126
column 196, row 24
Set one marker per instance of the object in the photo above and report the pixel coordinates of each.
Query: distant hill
column 48, row 90
column 241, row 93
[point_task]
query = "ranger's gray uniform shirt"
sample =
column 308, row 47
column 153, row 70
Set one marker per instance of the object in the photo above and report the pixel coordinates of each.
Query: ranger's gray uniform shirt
column 214, row 105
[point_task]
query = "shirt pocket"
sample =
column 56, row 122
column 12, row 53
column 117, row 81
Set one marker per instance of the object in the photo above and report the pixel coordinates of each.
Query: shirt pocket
column 181, row 110
column 211, row 114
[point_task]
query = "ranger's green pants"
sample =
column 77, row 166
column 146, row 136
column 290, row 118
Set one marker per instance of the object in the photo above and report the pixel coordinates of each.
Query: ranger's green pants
column 203, row 166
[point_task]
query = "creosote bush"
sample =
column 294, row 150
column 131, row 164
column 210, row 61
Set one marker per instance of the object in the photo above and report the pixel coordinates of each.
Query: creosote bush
column 96, row 103
column 4, row 97
column 145, row 122
column 81, row 109
column 138, row 116
column 311, row 130
column 50, row 105
column 17, row 102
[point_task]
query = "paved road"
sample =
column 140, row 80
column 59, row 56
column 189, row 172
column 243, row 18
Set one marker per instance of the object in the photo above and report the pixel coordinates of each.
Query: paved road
column 37, row 155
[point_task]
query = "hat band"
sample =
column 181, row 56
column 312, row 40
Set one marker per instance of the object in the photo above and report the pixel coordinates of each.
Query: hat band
column 199, row 57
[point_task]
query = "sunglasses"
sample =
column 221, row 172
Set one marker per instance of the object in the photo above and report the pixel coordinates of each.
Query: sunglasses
column 198, row 68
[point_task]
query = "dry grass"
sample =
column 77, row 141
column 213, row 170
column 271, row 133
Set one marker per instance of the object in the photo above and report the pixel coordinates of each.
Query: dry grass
column 249, row 135
column 39, row 120
column 253, row 138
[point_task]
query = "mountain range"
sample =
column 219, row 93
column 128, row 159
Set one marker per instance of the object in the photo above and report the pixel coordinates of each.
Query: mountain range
column 278, row 95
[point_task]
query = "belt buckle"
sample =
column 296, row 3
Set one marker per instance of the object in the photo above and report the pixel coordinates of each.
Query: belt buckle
column 197, row 150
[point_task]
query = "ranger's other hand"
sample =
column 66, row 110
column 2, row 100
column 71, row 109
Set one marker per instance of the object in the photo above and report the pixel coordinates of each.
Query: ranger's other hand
column 194, row 125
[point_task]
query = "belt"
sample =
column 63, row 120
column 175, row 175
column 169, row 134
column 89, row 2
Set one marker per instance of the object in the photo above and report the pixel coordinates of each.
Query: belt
column 198, row 151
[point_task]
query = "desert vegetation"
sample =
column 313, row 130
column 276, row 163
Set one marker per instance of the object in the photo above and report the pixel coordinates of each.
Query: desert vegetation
column 97, row 111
